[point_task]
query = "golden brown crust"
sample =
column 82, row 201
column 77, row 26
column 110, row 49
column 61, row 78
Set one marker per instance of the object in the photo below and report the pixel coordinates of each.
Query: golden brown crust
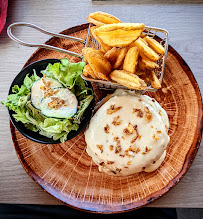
column 87, row 71
column 98, row 63
column 119, row 35
column 100, row 18
column 156, row 46
column 155, row 83
column 146, row 50
column 149, row 64
column 131, row 60
column 128, row 79
column 122, row 26
column 116, row 56
column 104, row 48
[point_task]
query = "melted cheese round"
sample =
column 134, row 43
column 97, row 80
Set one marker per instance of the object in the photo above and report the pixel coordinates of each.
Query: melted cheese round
column 128, row 134
column 37, row 94
column 67, row 110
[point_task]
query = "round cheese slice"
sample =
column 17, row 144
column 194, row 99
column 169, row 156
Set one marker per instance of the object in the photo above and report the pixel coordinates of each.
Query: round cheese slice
column 66, row 110
column 127, row 134
column 37, row 93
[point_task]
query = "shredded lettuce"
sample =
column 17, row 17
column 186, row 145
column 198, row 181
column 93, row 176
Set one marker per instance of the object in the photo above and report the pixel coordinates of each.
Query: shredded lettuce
column 82, row 107
column 68, row 74
column 65, row 72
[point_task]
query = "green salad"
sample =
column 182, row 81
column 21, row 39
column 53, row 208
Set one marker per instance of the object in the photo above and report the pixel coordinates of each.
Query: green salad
column 54, row 103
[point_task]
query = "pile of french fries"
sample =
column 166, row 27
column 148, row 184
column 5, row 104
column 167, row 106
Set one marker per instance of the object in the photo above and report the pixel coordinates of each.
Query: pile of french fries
column 126, row 56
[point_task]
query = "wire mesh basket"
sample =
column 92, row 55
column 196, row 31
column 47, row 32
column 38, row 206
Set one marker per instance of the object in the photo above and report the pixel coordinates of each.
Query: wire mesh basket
column 161, row 35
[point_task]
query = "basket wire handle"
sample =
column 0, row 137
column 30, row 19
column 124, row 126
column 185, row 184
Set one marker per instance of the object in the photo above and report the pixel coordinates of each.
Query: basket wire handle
column 44, row 45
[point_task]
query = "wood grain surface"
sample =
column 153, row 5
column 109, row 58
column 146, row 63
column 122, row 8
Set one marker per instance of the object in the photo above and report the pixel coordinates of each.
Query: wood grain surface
column 184, row 23
column 69, row 174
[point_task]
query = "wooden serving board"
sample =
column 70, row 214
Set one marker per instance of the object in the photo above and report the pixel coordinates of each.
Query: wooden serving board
column 67, row 172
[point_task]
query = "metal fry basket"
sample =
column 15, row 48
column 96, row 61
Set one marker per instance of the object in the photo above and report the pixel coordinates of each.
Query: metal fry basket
column 159, row 34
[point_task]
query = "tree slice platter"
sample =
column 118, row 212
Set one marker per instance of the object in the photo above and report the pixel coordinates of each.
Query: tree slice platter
column 67, row 172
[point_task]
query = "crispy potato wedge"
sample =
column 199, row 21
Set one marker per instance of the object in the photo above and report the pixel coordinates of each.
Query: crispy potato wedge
column 131, row 45
column 92, row 29
column 149, row 64
column 85, row 71
column 88, row 72
column 141, row 65
column 121, row 66
column 146, row 50
column 140, row 72
column 144, row 41
column 122, row 26
column 116, row 56
column 120, row 34
column 156, row 46
column 98, row 63
column 103, row 46
column 155, row 83
column 100, row 18
column 120, row 57
column 128, row 79
column 144, row 76
column 131, row 60
column 103, row 76
column 85, row 51
column 134, row 44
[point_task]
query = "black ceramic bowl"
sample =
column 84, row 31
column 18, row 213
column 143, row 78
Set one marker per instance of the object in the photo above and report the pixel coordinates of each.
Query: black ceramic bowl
column 35, row 136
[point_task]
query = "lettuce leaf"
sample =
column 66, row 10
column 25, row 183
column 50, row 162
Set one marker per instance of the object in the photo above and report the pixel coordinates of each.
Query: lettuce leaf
column 77, row 118
column 65, row 72
column 28, row 81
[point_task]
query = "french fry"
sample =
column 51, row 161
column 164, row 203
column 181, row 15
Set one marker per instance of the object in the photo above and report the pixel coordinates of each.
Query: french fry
column 141, row 65
column 103, row 76
column 144, row 41
column 155, row 83
column 127, row 55
column 149, row 64
column 144, row 76
column 85, row 51
column 98, row 63
column 139, row 73
column 120, row 58
column 103, row 46
column 131, row 60
column 92, row 29
column 146, row 50
column 121, row 66
column 87, row 71
column 116, row 56
column 120, row 34
column 134, row 44
column 156, row 46
column 128, row 79
column 100, row 18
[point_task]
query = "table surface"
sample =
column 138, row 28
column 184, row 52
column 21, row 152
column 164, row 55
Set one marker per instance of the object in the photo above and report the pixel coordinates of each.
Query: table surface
column 184, row 21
